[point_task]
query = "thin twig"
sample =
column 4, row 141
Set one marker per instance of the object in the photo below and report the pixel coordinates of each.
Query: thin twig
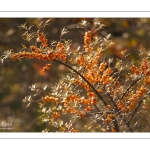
column 95, row 91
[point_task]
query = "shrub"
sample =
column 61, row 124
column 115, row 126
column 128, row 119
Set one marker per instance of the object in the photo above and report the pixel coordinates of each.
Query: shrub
column 98, row 93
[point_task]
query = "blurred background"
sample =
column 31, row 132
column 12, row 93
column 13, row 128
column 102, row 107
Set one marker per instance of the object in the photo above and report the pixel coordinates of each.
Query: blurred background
column 16, row 77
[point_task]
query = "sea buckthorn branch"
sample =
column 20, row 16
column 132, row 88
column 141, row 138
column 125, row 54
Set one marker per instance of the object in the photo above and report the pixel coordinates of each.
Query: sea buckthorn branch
column 37, row 53
column 95, row 91
column 105, row 103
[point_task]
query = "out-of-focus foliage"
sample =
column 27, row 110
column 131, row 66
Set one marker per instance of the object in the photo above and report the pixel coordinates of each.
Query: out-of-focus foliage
column 15, row 78
column 129, row 33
